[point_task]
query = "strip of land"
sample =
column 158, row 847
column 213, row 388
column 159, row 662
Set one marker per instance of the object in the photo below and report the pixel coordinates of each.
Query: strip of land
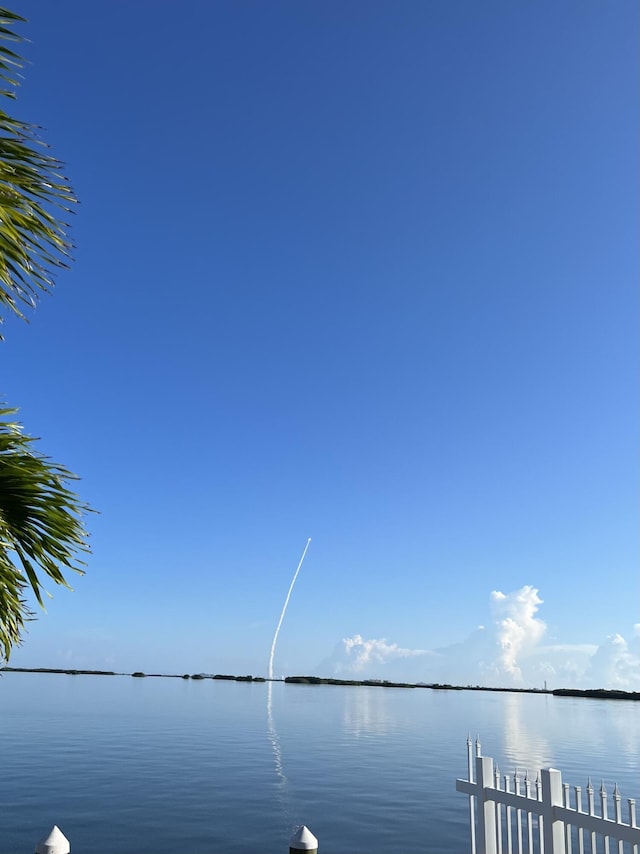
column 595, row 693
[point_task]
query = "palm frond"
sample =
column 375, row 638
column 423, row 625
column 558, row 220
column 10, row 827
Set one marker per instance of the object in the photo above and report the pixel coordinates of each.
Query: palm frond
column 41, row 527
column 34, row 194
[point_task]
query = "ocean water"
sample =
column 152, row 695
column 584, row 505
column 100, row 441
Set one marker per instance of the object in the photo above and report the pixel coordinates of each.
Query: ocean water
column 127, row 766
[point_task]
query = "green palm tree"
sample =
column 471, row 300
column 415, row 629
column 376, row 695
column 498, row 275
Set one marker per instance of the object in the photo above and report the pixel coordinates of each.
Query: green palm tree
column 41, row 529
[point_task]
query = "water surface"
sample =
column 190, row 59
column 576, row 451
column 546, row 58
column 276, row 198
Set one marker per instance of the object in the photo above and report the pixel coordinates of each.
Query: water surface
column 165, row 765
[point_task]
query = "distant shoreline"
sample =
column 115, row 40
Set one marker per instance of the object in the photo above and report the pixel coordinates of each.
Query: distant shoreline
column 592, row 693
column 137, row 673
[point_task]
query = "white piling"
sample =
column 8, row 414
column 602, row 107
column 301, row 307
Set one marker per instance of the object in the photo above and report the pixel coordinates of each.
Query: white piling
column 303, row 840
column 55, row 843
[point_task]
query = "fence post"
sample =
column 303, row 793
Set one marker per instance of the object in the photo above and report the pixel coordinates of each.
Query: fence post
column 486, row 840
column 303, row 840
column 55, row 843
column 553, row 830
column 472, row 807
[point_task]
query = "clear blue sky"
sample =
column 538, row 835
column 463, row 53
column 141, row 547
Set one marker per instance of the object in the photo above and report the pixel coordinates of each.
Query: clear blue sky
column 364, row 272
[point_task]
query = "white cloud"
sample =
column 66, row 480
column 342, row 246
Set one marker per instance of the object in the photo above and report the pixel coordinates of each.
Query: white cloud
column 613, row 665
column 371, row 658
column 363, row 653
column 517, row 629
column 507, row 653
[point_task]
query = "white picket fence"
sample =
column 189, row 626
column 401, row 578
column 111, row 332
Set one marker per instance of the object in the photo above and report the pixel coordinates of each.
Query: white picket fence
column 515, row 815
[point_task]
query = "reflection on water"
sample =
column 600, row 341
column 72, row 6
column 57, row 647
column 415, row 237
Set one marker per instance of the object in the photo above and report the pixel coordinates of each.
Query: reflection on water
column 274, row 738
column 276, row 748
column 366, row 712
column 525, row 746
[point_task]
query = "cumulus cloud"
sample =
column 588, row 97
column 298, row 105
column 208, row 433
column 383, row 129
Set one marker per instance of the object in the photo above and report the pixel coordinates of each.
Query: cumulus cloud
column 505, row 651
column 372, row 658
column 613, row 665
column 517, row 629
column 364, row 652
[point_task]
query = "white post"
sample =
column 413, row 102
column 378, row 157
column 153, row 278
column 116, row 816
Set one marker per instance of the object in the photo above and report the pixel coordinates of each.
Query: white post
column 578, row 791
column 496, row 775
column 567, row 802
column 592, row 811
column 632, row 819
column 516, row 788
column 303, row 840
column 55, row 843
column 509, row 816
column 527, row 791
column 604, row 813
column 551, row 797
column 472, row 810
column 486, row 808
column 617, row 805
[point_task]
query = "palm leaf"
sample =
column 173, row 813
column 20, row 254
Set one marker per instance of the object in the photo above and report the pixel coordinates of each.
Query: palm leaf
column 41, row 527
column 33, row 195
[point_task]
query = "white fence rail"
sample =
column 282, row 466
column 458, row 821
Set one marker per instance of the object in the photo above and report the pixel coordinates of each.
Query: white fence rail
column 515, row 815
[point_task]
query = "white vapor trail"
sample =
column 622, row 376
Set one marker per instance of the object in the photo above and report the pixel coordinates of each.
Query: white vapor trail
column 284, row 608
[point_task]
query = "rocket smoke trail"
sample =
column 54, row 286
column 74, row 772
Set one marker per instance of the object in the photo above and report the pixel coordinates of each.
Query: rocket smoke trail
column 284, row 608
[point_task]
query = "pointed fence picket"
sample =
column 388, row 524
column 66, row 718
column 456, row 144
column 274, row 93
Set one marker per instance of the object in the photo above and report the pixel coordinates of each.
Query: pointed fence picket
column 515, row 815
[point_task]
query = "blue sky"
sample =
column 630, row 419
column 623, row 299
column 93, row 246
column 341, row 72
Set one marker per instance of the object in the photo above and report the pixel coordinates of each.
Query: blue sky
column 363, row 272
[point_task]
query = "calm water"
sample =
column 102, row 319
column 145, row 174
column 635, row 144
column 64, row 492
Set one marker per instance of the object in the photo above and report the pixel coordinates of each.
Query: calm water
column 169, row 766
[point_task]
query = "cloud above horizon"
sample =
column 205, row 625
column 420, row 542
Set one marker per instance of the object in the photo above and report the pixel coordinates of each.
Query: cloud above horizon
column 363, row 654
column 517, row 629
column 507, row 651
